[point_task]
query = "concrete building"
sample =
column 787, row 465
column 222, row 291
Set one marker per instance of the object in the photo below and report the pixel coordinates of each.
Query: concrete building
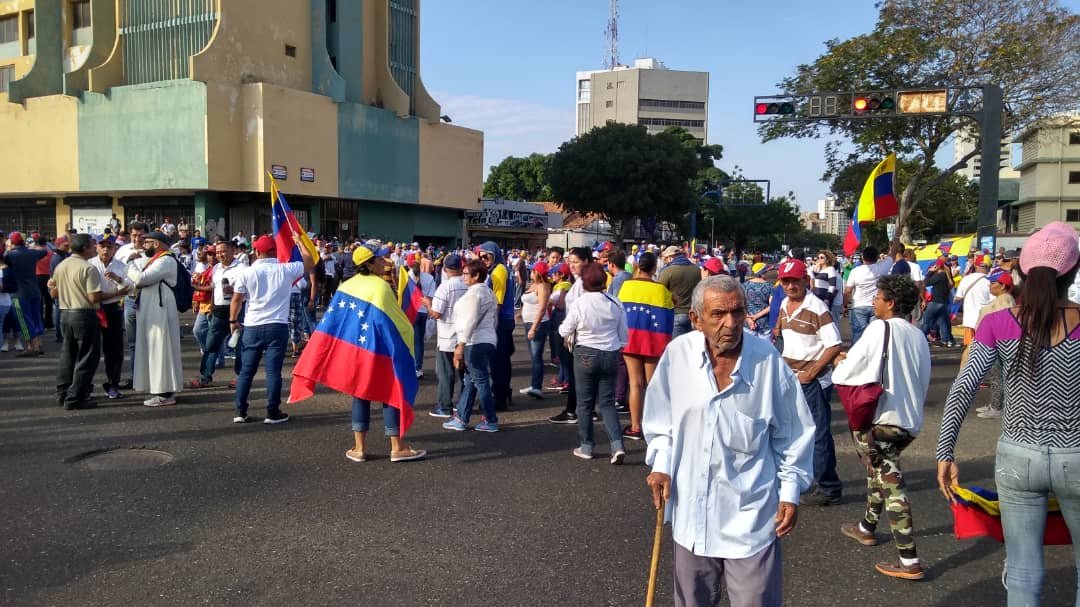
column 509, row 223
column 966, row 142
column 834, row 218
column 180, row 109
column 812, row 222
column 1049, row 176
column 648, row 93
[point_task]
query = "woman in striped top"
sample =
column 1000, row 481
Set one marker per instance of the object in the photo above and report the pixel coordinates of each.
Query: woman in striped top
column 1038, row 347
column 824, row 276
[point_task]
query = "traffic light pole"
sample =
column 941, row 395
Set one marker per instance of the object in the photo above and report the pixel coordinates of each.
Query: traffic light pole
column 990, row 135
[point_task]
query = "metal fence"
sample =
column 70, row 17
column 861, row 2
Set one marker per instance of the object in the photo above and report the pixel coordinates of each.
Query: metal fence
column 160, row 36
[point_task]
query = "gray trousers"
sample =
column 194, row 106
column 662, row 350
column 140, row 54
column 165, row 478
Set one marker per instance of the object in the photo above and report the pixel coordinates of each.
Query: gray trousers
column 755, row 581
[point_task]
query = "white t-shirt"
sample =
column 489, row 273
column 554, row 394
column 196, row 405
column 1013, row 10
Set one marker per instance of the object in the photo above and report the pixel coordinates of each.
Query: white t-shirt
column 974, row 289
column 266, row 283
column 907, row 371
column 427, row 288
column 863, row 282
column 916, row 272
column 221, row 272
column 446, row 296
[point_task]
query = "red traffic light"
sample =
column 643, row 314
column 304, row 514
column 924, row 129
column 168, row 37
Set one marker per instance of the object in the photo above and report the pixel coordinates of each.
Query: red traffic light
column 761, row 108
column 860, row 104
column 774, row 107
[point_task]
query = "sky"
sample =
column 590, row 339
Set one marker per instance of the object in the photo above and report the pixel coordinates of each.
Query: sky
column 507, row 67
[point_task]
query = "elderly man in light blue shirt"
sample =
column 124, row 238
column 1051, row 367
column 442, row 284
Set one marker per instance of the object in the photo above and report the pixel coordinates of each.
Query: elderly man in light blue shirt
column 731, row 443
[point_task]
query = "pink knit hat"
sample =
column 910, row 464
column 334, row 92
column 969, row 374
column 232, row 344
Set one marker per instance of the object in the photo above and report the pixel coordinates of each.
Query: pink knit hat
column 1055, row 246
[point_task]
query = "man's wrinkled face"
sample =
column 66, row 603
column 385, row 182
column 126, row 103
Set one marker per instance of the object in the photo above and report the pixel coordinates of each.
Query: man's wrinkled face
column 721, row 320
column 794, row 288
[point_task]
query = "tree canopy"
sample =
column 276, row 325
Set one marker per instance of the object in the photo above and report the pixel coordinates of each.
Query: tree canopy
column 1031, row 48
column 518, row 178
column 623, row 173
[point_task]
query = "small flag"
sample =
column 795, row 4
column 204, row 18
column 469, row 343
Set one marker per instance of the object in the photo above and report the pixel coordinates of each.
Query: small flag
column 285, row 225
column 977, row 513
column 409, row 295
column 363, row 347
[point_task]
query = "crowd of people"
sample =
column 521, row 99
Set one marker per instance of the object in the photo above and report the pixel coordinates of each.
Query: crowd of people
column 724, row 364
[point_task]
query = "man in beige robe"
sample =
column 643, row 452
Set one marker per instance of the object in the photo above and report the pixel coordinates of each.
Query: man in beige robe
column 158, row 368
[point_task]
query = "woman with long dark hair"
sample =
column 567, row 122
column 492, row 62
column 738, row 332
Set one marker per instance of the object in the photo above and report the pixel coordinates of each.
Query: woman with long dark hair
column 1038, row 346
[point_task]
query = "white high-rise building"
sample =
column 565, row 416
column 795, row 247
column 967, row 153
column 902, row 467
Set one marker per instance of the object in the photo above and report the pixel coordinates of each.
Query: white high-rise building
column 647, row 93
column 966, row 141
column 834, row 219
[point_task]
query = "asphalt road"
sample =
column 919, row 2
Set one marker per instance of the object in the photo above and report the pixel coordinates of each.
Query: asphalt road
column 274, row 515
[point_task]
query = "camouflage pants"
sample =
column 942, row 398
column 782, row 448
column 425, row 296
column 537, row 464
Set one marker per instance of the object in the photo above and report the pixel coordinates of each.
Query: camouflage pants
column 880, row 448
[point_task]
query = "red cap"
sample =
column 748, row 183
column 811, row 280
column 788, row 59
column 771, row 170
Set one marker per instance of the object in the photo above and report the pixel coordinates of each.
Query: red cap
column 541, row 268
column 562, row 268
column 410, row 259
column 61, row 240
column 264, row 244
column 793, row 268
column 714, row 266
column 16, row 239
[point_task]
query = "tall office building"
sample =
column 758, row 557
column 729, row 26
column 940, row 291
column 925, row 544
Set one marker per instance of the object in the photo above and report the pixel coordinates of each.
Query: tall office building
column 966, row 142
column 1049, row 175
column 648, row 93
column 180, row 109
column 834, row 219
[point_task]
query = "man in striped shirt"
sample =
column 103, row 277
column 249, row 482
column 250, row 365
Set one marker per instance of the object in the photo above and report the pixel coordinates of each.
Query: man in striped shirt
column 811, row 342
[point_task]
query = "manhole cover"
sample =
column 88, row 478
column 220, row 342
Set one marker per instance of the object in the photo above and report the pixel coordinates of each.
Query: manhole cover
column 137, row 458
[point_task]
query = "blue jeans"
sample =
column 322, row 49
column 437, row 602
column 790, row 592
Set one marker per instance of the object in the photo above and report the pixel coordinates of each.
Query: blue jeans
column 824, row 449
column 1025, row 474
column 477, row 383
column 682, row 325
column 271, row 340
column 594, row 372
column 536, row 352
column 202, row 325
column 500, row 362
column 418, row 339
column 860, row 317
column 217, row 333
column 936, row 316
column 361, row 417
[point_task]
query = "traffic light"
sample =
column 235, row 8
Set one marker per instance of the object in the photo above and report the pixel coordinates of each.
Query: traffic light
column 782, row 108
column 864, row 103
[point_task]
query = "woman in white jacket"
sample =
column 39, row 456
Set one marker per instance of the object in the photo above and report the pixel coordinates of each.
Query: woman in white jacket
column 475, row 318
column 898, row 420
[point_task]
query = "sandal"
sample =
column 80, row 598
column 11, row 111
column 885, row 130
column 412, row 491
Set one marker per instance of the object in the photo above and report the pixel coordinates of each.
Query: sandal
column 407, row 455
column 352, row 457
column 198, row 384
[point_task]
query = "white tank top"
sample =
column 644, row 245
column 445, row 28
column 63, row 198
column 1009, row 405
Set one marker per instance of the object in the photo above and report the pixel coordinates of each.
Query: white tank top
column 530, row 304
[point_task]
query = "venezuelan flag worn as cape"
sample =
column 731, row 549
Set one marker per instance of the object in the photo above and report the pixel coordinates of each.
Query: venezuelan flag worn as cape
column 362, row 347
column 650, row 316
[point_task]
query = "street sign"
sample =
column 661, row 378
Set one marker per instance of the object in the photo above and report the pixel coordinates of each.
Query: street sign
column 923, row 102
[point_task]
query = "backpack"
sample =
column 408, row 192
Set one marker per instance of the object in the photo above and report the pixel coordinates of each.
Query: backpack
column 183, row 292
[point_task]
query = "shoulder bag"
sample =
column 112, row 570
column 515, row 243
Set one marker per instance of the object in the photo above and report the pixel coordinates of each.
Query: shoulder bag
column 861, row 402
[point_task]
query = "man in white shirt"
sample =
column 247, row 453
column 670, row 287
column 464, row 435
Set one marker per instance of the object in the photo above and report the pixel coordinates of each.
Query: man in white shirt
column 222, row 284
column 974, row 291
column 265, row 286
column 860, row 289
column 114, row 285
column 730, row 443
column 442, row 310
column 919, row 279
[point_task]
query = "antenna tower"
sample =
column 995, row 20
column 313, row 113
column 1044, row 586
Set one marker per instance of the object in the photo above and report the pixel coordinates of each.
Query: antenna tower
column 612, row 33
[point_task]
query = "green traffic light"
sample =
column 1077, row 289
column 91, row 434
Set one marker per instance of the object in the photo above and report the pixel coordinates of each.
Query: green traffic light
column 787, row 108
column 887, row 103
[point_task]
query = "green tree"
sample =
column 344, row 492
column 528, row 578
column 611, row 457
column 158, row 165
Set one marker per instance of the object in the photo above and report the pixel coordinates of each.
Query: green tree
column 622, row 172
column 1031, row 48
column 518, row 178
column 758, row 227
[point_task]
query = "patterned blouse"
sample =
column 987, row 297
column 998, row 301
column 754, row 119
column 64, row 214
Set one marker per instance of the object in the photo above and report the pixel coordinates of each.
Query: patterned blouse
column 1042, row 411
column 757, row 299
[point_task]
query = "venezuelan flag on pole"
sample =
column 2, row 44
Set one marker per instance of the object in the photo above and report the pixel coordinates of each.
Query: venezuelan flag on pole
column 285, row 225
column 650, row 317
column 409, row 295
column 877, row 202
column 362, row 347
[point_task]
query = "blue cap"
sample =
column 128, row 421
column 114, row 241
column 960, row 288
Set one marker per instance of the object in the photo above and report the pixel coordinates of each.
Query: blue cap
column 452, row 262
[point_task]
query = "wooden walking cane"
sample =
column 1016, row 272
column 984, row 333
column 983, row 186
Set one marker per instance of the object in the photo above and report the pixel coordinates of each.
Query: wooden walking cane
column 655, row 565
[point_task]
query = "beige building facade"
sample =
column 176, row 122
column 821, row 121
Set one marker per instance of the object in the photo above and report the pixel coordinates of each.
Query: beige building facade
column 648, row 94
column 1049, row 176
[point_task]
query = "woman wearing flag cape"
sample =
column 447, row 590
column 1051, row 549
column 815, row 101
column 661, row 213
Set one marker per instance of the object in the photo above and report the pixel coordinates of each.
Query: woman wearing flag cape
column 363, row 347
column 1038, row 346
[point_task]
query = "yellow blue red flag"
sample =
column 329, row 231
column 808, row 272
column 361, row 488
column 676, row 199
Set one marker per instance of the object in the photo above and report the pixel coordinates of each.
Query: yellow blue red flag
column 650, row 316
column 285, row 225
column 363, row 347
column 877, row 202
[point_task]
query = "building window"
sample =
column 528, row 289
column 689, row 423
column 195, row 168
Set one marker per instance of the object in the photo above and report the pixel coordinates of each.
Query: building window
column 9, row 29
column 290, row 50
column 1074, row 138
column 80, row 14
column 672, row 104
column 331, row 10
column 1072, row 215
column 609, row 104
column 1074, row 176
column 29, row 25
column 665, row 122
column 7, row 74
column 584, row 85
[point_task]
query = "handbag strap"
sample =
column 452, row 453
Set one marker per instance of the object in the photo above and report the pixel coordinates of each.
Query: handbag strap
column 883, row 370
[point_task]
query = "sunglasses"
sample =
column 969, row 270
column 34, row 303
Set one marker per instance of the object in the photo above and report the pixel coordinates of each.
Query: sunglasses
column 485, row 256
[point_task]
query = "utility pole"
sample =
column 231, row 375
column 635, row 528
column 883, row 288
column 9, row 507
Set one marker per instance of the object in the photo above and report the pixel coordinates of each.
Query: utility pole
column 612, row 34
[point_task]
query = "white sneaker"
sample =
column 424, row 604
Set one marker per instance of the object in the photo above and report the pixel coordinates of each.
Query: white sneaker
column 530, row 391
column 4, row 348
column 19, row 345
column 579, row 452
column 419, row 374
column 159, row 401
column 982, row 408
column 990, row 414
column 618, row 457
